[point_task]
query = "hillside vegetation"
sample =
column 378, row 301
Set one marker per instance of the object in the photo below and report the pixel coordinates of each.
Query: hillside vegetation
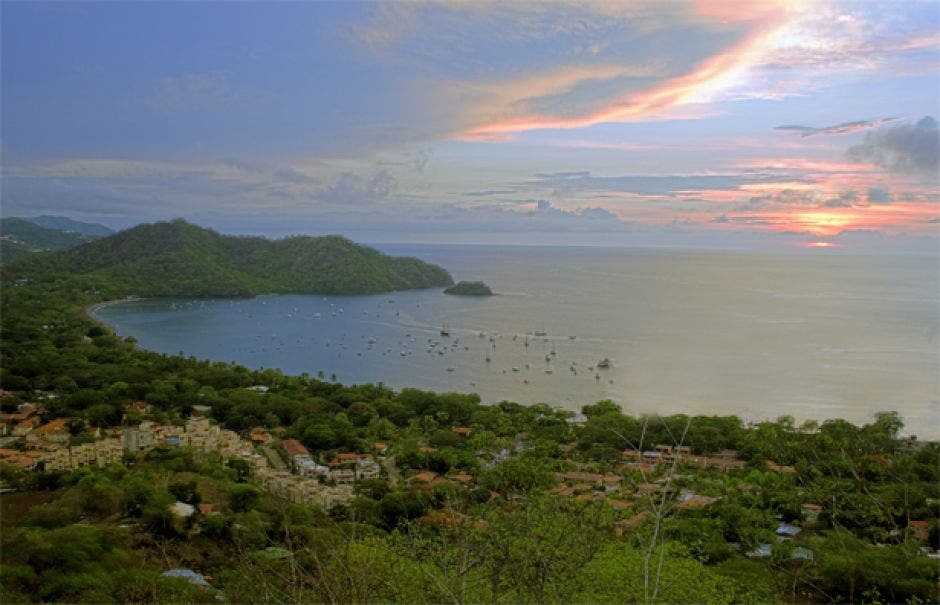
column 474, row 503
column 469, row 288
column 180, row 259
column 21, row 237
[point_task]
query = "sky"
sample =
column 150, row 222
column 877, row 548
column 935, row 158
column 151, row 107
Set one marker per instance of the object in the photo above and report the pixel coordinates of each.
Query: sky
column 718, row 123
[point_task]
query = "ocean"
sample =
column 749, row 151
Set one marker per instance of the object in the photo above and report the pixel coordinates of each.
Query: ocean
column 813, row 335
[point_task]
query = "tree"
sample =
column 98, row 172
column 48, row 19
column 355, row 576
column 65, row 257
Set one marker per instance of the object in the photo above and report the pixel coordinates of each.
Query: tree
column 243, row 497
column 242, row 468
column 539, row 548
column 615, row 575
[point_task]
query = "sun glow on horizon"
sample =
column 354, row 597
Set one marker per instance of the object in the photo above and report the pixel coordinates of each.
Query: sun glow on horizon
column 825, row 223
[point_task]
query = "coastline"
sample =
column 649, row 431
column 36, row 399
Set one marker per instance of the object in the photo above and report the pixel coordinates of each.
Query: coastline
column 91, row 309
column 919, row 423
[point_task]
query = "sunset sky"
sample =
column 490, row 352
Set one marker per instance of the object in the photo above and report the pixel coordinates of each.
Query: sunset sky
column 649, row 122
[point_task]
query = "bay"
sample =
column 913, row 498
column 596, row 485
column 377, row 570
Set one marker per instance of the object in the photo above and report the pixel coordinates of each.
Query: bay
column 814, row 335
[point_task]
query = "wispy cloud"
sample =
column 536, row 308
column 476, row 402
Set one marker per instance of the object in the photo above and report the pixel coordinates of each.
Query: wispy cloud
column 843, row 128
column 566, row 182
column 654, row 102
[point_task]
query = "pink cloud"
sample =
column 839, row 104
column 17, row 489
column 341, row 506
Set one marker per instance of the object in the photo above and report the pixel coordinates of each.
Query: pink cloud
column 661, row 99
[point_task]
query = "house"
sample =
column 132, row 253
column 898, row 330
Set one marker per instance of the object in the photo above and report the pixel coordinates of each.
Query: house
column 462, row 478
column 801, row 554
column 23, row 411
column 343, row 476
column 181, row 509
column 724, row 463
column 689, row 499
column 187, row 574
column 58, row 460
column 349, row 457
column 920, row 530
column 294, row 448
column 201, row 411
column 785, row 531
column 206, row 509
column 810, row 512
column 645, row 489
column 307, row 467
column 779, row 468
column 24, row 427
column 55, row 431
column 577, row 419
column 23, row 460
column 380, row 448
column 463, row 431
column 761, row 552
column 259, row 435
column 139, row 439
column 107, row 451
column 366, row 468
column 197, row 424
column 425, row 477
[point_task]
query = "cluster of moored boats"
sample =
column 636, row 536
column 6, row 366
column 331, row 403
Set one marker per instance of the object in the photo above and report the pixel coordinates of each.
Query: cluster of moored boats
column 448, row 345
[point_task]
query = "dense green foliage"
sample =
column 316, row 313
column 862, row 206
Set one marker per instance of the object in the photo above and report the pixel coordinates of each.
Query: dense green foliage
column 469, row 288
column 180, row 259
column 21, row 236
column 105, row 535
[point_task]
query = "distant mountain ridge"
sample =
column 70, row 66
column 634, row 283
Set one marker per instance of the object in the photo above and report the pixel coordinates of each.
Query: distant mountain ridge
column 63, row 223
column 20, row 237
column 180, row 259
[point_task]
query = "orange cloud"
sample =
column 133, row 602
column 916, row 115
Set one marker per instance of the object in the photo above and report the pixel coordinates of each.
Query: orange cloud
column 713, row 73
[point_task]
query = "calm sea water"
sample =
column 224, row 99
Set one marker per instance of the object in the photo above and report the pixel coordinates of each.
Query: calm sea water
column 813, row 335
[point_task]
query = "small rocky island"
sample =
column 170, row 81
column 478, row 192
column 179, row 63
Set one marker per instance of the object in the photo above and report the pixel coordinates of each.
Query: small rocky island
column 469, row 288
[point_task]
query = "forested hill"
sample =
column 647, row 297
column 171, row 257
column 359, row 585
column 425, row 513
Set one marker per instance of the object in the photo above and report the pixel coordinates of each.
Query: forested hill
column 19, row 237
column 180, row 259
